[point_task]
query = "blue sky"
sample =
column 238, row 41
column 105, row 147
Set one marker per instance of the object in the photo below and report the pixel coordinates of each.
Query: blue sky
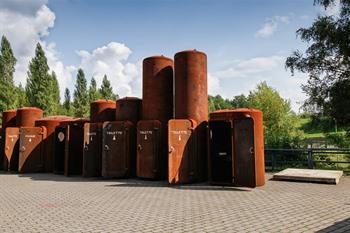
column 246, row 41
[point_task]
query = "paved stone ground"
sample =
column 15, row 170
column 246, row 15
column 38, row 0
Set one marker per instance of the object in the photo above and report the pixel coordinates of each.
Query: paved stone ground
column 52, row 203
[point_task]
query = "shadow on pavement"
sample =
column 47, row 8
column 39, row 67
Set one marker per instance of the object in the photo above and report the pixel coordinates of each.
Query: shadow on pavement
column 341, row 226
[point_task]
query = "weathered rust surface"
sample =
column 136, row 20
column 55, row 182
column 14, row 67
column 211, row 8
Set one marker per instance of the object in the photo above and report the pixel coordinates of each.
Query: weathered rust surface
column 74, row 146
column 128, row 109
column 9, row 118
column 191, row 91
column 11, row 149
column 151, row 163
column 92, row 155
column 183, row 159
column 102, row 110
column 157, row 89
column 119, row 149
column 27, row 116
column 31, row 156
column 2, row 145
column 247, row 145
column 50, row 123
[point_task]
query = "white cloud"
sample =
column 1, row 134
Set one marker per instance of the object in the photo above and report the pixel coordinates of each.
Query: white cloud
column 25, row 23
column 112, row 60
column 271, row 24
column 243, row 76
column 332, row 10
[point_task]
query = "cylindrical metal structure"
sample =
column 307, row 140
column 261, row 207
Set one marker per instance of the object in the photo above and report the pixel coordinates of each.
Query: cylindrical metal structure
column 191, row 91
column 102, row 110
column 128, row 109
column 157, row 90
column 50, row 123
column 9, row 118
column 27, row 116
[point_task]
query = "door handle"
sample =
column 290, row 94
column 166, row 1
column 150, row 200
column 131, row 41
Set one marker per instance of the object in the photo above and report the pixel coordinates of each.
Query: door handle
column 139, row 147
column 22, row 149
column 106, row 147
column 251, row 150
column 171, row 149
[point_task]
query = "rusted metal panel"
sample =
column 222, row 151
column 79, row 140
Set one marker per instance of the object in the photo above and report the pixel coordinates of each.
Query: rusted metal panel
column 157, row 89
column 220, row 153
column 59, row 149
column 74, row 147
column 26, row 117
column 247, row 146
column 191, row 88
column 102, row 110
column 50, row 123
column 244, row 166
column 151, row 163
column 2, row 145
column 128, row 109
column 11, row 149
column 183, row 154
column 9, row 118
column 31, row 156
column 119, row 149
column 92, row 154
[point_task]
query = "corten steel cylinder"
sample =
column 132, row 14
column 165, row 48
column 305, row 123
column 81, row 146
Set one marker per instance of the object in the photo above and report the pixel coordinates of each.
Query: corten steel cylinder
column 157, row 90
column 9, row 118
column 244, row 131
column 102, row 110
column 191, row 91
column 50, row 123
column 26, row 117
column 128, row 109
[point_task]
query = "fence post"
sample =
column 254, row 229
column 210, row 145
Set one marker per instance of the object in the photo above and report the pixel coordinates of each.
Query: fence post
column 310, row 161
column 273, row 161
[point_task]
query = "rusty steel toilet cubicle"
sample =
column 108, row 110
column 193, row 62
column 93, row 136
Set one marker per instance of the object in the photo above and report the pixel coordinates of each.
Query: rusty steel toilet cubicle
column 236, row 148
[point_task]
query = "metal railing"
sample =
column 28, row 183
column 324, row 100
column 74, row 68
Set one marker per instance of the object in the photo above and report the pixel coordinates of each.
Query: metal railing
column 323, row 158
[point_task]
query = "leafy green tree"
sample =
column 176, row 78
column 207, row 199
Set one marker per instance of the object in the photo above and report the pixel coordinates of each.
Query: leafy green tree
column 67, row 103
column 39, row 82
column 217, row 103
column 280, row 123
column 81, row 97
column 326, row 61
column 21, row 100
column 106, row 90
column 55, row 93
column 7, row 69
column 239, row 101
column 93, row 92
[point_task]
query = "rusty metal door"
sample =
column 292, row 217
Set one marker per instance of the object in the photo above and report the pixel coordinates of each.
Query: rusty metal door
column 183, row 157
column 2, row 147
column 31, row 156
column 11, row 149
column 119, row 149
column 60, row 139
column 149, row 160
column 74, row 146
column 92, row 149
column 244, row 156
column 220, row 152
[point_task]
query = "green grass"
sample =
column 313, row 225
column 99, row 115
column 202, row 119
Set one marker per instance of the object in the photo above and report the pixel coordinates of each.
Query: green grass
column 304, row 124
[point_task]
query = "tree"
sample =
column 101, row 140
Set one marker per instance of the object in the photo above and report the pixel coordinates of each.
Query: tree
column 326, row 60
column 217, row 103
column 93, row 92
column 55, row 93
column 106, row 90
column 21, row 100
column 7, row 69
column 239, row 101
column 39, row 82
column 280, row 123
column 81, row 98
column 67, row 103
